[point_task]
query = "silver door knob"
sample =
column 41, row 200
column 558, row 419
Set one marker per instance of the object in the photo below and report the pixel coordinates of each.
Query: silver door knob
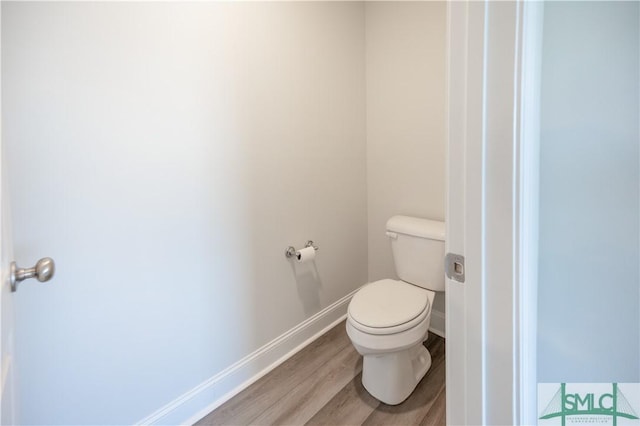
column 43, row 271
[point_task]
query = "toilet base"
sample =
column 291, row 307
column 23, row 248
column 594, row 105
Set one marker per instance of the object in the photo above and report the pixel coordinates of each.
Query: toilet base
column 392, row 377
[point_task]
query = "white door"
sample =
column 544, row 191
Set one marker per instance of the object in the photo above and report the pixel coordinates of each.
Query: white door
column 492, row 184
column 7, row 414
column 7, row 394
column 12, row 275
column 7, row 384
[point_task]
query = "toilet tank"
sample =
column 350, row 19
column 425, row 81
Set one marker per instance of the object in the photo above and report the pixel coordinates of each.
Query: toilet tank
column 418, row 250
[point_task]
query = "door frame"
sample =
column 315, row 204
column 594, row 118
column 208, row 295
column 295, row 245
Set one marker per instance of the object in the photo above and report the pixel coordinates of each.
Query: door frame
column 494, row 53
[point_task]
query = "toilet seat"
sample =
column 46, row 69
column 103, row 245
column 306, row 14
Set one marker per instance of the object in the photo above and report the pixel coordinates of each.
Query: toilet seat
column 388, row 307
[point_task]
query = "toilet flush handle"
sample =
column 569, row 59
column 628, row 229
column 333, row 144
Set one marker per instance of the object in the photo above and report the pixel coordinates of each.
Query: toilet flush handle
column 392, row 235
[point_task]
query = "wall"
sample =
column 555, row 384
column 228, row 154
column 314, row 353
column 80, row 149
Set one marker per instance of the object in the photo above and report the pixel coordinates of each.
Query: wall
column 406, row 133
column 165, row 155
column 589, row 292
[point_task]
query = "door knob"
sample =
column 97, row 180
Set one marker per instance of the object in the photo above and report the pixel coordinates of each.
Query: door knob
column 43, row 271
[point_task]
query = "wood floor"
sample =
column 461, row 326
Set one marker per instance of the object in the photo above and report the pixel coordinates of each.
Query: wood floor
column 321, row 385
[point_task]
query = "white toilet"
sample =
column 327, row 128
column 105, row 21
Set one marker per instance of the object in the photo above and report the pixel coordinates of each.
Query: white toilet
column 387, row 320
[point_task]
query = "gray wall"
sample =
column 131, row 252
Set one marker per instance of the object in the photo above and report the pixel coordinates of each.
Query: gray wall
column 406, row 126
column 589, row 297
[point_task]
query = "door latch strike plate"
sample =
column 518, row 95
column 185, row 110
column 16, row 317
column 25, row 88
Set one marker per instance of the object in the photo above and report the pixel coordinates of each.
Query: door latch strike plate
column 454, row 267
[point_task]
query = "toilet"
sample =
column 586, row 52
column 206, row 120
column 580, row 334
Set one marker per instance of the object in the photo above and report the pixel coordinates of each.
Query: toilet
column 388, row 320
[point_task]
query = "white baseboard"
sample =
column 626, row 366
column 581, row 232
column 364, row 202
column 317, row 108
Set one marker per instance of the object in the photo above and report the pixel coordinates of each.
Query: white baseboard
column 210, row 394
column 437, row 323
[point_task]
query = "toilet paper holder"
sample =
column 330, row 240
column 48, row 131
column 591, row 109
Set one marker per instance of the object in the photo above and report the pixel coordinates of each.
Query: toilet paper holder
column 292, row 252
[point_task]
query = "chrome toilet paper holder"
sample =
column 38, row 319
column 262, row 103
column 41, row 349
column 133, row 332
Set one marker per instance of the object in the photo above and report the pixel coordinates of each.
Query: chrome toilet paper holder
column 292, row 252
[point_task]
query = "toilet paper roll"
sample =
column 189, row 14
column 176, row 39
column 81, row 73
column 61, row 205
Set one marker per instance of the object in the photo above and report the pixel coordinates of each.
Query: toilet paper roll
column 305, row 255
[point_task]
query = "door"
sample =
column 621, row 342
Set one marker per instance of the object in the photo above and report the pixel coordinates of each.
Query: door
column 7, row 384
column 7, row 378
column 11, row 275
column 492, row 211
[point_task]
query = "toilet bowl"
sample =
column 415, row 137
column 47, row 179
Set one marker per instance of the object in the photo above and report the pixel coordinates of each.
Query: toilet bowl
column 388, row 320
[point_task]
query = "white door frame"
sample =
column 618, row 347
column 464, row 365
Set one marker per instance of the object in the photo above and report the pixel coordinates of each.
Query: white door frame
column 494, row 58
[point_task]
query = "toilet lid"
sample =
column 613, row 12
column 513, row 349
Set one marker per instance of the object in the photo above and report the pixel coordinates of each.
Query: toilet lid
column 388, row 303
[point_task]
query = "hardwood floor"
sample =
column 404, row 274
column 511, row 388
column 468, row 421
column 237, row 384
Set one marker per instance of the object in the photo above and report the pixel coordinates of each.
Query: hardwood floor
column 322, row 385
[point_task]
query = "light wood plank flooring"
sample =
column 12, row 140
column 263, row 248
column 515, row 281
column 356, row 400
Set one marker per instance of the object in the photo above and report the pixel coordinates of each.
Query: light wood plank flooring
column 322, row 385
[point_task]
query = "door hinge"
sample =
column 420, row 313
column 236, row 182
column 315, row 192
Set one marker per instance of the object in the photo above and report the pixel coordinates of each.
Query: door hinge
column 454, row 266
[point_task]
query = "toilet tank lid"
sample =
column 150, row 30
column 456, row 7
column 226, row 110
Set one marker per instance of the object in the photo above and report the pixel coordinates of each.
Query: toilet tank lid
column 418, row 227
